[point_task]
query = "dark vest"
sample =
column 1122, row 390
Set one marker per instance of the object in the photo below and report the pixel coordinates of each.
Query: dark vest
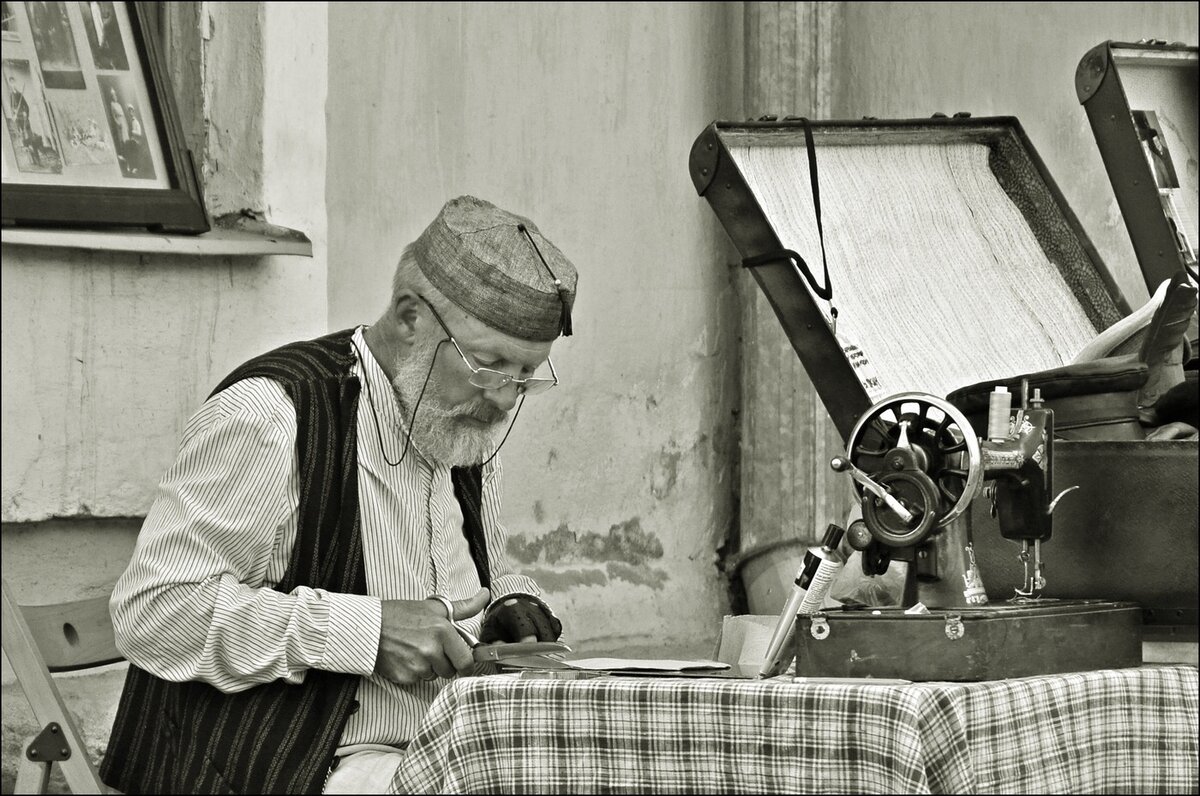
column 276, row 737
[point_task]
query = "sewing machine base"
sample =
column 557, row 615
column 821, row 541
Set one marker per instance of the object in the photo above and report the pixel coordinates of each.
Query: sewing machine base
column 991, row 642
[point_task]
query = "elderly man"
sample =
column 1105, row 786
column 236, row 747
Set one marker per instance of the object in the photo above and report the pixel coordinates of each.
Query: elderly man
column 285, row 610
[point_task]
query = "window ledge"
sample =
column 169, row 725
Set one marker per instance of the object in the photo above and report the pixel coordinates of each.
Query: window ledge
column 228, row 237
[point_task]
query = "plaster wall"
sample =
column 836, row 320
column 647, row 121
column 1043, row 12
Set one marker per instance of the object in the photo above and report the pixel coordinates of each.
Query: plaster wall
column 106, row 355
column 620, row 483
column 908, row 60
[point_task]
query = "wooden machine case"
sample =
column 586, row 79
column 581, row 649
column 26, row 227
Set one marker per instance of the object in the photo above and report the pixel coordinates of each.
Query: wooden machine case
column 970, row 644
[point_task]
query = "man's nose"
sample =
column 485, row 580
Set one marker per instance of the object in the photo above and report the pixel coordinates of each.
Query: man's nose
column 503, row 398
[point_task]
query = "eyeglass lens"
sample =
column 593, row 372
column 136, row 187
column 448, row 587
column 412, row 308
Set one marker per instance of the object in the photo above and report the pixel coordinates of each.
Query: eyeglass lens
column 487, row 379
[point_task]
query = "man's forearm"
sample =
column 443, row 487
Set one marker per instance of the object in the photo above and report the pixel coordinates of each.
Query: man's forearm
column 234, row 637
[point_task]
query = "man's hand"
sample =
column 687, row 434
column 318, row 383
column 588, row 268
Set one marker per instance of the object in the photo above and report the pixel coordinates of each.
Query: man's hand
column 417, row 641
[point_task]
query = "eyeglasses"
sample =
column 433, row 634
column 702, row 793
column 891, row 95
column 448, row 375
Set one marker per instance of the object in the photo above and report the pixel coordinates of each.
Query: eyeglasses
column 489, row 379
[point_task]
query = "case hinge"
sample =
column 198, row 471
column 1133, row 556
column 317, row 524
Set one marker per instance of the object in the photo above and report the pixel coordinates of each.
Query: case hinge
column 704, row 159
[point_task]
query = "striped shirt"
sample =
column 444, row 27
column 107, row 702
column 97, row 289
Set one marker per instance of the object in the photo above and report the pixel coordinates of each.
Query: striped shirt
column 195, row 602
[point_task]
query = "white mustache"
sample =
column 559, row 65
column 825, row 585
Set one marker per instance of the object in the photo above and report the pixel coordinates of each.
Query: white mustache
column 485, row 414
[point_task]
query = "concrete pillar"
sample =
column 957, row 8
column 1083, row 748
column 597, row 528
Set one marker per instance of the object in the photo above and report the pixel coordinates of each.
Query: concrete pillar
column 788, row 492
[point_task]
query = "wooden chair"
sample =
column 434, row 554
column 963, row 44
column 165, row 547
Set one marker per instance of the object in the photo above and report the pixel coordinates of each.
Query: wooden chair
column 39, row 640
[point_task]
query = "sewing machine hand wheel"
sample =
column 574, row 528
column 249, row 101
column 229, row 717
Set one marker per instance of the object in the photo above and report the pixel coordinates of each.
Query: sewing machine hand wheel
column 923, row 452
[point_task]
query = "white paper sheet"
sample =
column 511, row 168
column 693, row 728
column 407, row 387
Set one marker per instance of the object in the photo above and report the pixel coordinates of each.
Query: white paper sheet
column 641, row 665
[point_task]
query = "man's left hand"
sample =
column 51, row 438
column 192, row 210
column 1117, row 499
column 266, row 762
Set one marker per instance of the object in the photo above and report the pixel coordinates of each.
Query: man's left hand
column 519, row 617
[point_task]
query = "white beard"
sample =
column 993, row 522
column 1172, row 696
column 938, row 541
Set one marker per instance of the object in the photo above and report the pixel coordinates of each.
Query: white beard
column 442, row 432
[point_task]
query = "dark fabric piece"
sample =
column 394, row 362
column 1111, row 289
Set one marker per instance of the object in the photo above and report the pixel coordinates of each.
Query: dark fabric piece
column 1095, row 399
column 1107, row 375
column 1180, row 404
column 518, row 616
column 468, row 488
column 273, row 738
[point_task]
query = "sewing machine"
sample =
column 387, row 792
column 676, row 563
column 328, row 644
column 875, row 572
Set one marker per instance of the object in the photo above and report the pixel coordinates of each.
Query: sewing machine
column 917, row 464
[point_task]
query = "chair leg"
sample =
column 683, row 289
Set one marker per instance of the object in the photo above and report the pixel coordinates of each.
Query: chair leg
column 80, row 774
column 59, row 730
column 32, row 777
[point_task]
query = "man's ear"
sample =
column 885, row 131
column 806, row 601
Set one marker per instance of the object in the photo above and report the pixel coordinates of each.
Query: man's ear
column 405, row 312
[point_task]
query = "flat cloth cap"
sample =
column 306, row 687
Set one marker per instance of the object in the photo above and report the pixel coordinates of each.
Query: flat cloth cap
column 497, row 267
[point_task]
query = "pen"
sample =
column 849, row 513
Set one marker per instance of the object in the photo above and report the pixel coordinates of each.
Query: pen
column 811, row 585
column 785, row 629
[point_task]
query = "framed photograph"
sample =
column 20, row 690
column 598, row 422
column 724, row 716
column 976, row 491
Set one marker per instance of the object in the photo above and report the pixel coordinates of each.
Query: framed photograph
column 91, row 134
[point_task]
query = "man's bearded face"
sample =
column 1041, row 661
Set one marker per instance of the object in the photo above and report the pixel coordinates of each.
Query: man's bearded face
column 444, row 432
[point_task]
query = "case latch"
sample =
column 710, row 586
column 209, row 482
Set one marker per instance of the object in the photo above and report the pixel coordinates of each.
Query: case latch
column 955, row 629
column 819, row 628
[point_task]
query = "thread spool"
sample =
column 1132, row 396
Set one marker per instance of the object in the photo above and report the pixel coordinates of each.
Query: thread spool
column 821, row 565
column 820, row 581
column 999, row 410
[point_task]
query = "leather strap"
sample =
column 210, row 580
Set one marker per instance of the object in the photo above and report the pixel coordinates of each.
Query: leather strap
column 823, row 291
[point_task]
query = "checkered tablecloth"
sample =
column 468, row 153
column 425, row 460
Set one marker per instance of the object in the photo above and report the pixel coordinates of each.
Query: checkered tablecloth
column 1115, row 731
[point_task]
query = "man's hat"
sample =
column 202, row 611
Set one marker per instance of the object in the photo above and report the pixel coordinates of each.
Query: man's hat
column 497, row 267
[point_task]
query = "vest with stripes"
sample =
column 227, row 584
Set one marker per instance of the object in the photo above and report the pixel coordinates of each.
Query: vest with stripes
column 276, row 737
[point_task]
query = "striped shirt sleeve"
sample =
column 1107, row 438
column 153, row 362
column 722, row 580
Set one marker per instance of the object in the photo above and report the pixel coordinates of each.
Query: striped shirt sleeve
column 195, row 602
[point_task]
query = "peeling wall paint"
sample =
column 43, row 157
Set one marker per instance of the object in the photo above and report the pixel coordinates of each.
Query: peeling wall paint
column 666, row 472
column 559, row 580
column 625, row 541
column 638, row 575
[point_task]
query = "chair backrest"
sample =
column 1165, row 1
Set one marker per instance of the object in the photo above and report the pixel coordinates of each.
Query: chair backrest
column 41, row 639
column 73, row 635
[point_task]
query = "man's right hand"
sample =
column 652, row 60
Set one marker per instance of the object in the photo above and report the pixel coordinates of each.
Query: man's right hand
column 417, row 641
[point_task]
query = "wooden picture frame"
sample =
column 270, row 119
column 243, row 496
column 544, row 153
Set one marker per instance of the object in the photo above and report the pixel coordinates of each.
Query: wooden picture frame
column 91, row 135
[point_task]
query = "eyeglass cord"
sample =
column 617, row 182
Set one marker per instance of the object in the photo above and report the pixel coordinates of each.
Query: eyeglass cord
column 565, row 319
column 412, row 422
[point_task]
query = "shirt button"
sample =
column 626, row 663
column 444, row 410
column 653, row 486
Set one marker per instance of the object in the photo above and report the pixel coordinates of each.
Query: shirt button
column 354, row 706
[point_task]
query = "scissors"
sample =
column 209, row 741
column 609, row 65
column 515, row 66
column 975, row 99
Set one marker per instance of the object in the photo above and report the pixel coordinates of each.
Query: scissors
column 490, row 653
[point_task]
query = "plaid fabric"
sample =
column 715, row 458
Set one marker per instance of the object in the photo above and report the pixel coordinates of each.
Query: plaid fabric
column 1112, row 731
